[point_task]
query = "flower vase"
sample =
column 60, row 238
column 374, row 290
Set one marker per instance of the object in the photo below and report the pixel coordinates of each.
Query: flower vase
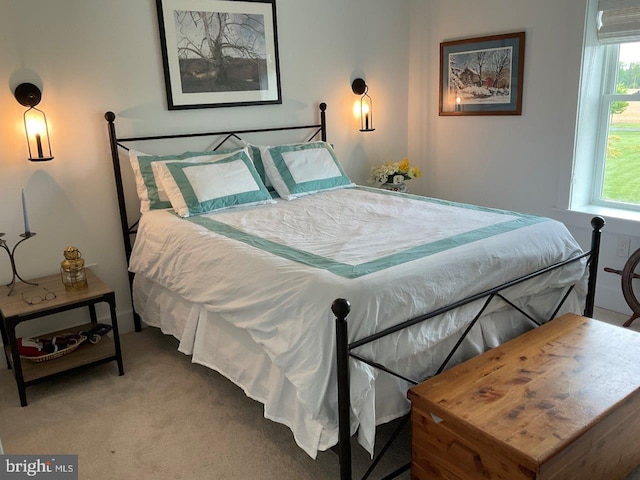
column 394, row 186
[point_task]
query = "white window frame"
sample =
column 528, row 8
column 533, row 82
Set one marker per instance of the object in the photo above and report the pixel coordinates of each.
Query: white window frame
column 597, row 91
column 608, row 96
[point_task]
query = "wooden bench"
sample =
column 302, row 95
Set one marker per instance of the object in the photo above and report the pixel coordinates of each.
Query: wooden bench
column 561, row 401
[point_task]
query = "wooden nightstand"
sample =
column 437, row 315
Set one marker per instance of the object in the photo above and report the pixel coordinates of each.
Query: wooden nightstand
column 14, row 310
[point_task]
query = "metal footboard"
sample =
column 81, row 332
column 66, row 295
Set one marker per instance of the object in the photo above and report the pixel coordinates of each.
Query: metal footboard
column 341, row 309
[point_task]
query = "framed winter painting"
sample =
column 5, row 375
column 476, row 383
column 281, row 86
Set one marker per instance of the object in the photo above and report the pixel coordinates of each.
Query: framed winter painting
column 482, row 75
column 219, row 53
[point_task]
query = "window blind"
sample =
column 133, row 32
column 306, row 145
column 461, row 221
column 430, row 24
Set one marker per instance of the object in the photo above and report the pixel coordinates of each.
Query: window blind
column 619, row 21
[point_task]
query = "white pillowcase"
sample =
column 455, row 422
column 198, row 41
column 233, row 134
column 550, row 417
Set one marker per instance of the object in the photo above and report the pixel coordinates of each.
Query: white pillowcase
column 303, row 168
column 150, row 192
column 195, row 188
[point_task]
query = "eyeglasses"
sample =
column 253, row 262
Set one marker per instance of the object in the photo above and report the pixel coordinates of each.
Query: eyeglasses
column 39, row 298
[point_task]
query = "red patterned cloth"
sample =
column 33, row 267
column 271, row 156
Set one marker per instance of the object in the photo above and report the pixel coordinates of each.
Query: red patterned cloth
column 41, row 346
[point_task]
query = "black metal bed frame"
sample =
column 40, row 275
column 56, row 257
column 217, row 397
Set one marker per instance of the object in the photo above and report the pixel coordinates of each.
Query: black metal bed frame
column 341, row 307
column 116, row 142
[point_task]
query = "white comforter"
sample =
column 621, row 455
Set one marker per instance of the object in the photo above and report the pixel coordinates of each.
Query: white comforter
column 274, row 270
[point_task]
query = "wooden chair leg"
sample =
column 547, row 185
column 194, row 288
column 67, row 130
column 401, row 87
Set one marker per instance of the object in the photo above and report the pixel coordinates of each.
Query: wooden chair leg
column 630, row 321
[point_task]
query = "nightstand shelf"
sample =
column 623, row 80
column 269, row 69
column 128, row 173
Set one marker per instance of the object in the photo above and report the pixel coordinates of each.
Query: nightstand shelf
column 85, row 354
column 15, row 310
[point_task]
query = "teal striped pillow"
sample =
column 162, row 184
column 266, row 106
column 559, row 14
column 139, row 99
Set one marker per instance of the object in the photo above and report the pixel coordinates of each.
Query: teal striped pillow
column 303, row 168
column 150, row 192
column 202, row 187
column 254, row 151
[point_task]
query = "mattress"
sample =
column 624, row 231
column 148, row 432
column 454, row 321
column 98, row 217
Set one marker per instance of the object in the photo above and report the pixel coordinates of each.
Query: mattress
column 263, row 278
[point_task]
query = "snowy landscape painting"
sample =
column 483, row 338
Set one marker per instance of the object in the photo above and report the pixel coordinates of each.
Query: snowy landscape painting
column 482, row 76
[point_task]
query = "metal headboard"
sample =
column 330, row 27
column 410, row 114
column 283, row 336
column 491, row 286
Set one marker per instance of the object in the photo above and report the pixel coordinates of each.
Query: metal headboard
column 116, row 142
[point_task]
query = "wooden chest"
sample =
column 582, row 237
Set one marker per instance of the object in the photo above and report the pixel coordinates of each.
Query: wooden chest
column 559, row 402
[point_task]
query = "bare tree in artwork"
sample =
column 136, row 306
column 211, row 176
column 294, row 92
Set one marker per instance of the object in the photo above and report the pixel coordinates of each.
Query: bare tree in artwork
column 480, row 58
column 501, row 63
column 220, row 51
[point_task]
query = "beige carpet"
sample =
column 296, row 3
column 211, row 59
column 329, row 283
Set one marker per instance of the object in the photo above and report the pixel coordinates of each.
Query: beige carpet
column 166, row 418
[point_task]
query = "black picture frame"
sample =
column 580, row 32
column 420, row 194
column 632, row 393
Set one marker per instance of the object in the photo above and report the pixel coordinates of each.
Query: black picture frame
column 201, row 72
column 482, row 75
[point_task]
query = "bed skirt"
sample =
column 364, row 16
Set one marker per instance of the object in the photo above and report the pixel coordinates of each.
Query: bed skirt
column 229, row 350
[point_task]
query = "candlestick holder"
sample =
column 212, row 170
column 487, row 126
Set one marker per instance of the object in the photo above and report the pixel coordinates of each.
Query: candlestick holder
column 11, row 252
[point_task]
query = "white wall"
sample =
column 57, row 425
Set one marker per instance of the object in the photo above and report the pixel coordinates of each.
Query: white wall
column 500, row 161
column 522, row 162
column 91, row 56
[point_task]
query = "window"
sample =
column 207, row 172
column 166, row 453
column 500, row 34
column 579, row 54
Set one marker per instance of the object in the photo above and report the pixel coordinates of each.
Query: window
column 607, row 153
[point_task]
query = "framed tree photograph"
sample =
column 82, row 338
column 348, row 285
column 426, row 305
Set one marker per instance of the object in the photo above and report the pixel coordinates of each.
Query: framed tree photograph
column 219, row 53
column 482, row 75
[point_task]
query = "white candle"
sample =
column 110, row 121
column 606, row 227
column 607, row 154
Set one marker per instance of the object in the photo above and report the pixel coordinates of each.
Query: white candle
column 39, row 145
column 24, row 214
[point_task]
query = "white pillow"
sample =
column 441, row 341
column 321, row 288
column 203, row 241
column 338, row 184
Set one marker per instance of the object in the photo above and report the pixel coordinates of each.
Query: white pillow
column 195, row 188
column 150, row 192
column 303, row 168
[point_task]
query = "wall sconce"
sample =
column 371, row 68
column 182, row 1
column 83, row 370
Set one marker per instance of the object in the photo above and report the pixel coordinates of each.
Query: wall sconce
column 35, row 122
column 359, row 87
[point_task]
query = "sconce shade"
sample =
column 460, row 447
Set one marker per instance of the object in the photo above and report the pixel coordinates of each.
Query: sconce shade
column 35, row 123
column 359, row 87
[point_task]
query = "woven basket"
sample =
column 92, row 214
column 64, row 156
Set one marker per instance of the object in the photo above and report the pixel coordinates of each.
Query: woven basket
column 58, row 354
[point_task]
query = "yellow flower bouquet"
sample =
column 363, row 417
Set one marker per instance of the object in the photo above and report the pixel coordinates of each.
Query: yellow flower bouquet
column 395, row 172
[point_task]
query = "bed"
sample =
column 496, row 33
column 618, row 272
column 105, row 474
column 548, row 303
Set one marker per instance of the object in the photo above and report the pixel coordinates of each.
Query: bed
column 260, row 291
